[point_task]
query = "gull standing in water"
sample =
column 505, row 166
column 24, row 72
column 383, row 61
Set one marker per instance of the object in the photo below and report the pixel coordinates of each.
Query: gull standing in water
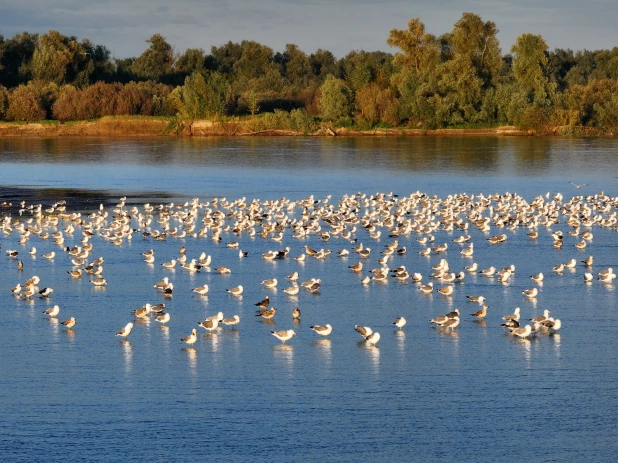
column 283, row 335
column 400, row 322
column 191, row 338
column 126, row 331
column 323, row 330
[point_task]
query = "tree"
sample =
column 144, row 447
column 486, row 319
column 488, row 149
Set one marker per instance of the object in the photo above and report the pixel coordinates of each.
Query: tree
column 530, row 68
column 25, row 104
column 190, row 61
column 420, row 51
column 53, row 56
column 156, row 61
column 15, row 57
column 4, row 102
column 323, row 63
column 335, row 100
column 296, row 66
column 201, row 96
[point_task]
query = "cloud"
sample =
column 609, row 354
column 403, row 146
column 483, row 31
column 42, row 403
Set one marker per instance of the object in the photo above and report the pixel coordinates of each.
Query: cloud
column 336, row 25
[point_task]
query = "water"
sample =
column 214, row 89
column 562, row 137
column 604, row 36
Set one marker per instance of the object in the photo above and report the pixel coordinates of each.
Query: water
column 239, row 395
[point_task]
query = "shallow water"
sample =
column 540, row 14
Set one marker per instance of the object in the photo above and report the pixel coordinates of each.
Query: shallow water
column 239, row 395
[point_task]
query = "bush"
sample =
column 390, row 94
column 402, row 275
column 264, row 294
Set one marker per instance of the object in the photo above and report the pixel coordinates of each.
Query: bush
column 4, row 102
column 25, row 104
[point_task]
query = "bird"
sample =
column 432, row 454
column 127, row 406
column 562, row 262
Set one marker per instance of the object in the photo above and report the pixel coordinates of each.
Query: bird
column 522, row 332
column 201, row 290
column 45, row 292
column 163, row 318
column 537, row 278
column 446, row 291
column 70, row 323
column 540, row 318
column 52, row 312
column 264, row 303
column 479, row 299
column 480, row 314
column 283, row 335
column 323, row 330
column 578, row 186
column 267, row 314
column 162, row 284
column 364, row 331
column 514, row 316
column 373, row 338
column 400, row 322
column 530, row 293
column 292, row 290
column 126, row 331
column 190, row 340
column 296, row 313
column 99, row 282
column 237, row 291
column 451, row 323
column 233, row 321
column 269, row 283
column 210, row 324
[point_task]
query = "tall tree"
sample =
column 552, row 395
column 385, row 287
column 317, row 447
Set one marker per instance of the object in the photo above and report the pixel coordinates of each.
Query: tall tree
column 530, row 68
column 336, row 99
column 156, row 61
column 419, row 51
column 53, row 57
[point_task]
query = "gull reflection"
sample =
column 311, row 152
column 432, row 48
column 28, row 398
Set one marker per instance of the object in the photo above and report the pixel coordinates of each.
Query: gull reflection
column 401, row 341
column 374, row 354
column 192, row 359
column 555, row 337
column 285, row 353
column 128, row 354
column 325, row 348
column 525, row 343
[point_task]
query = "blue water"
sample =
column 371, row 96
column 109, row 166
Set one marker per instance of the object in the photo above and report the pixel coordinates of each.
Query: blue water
column 239, row 395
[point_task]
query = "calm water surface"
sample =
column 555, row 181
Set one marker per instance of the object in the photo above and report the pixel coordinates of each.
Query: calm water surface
column 239, row 395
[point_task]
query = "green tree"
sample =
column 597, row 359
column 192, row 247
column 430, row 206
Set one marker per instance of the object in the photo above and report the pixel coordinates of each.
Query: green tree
column 531, row 70
column 296, row 66
column 335, row 99
column 420, row 52
column 323, row 63
column 15, row 57
column 202, row 97
column 156, row 61
column 4, row 102
column 53, row 57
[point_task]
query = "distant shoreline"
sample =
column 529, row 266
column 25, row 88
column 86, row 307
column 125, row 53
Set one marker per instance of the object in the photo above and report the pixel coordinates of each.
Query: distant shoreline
column 113, row 127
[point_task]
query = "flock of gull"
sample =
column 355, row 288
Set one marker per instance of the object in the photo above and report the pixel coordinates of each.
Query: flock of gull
column 355, row 224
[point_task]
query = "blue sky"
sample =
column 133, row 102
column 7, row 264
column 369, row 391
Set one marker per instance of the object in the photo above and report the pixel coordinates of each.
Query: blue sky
column 336, row 25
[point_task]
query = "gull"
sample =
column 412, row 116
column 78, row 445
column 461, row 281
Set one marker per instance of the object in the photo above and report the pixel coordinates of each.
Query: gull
column 425, row 252
column 201, row 290
column 552, row 325
column 511, row 324
column 142, row 312
column 469, row 251
column 480, row 314
column 540, row 318
column 588, row 277
column 45, row 292
column 75, row 273
column 471, row 268
column 171, row 264
column 531, row 293
column 441, row 319
column 191, row 338
column 292, row 290
column 479, row 299
column 269, row 283
column 588, row 262
column 32, row 251
column 578, row 186
column 296, row 313
column 558, row 268
column 149, row 259
column 54, row 311
column 537, row 278
column 237, row 291
column 223, row 270
column 400, row 322
column 373, row 338
column 607, row 278
column 99, row 282
column 356, row 267
column 264, row 303
column 163, row 318
column 49, row 255
column 35, row 280
column 364, row 331
column 522, row 332
column 366, row 280
column 489, row 271
column 343, row 253
column 218, row 317
column 446, row 291
column 451, row 323
column 242, row 253
column 293, row 276
column 126, row 331
column 571, row 264
column 16, row 289
column 233, row 321
column 70, row 323
column 513, row 316
column 267, row 314
column 428, row 288
column 364, row 253
column 323, row 330
column 159, row 308
column 283, row 335
column 270, row 255
column 210, row 324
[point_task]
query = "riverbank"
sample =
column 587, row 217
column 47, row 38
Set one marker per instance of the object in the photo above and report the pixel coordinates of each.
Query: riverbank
column 118, row 127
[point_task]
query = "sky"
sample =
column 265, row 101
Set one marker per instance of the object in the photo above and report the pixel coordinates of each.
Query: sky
column 339, row 26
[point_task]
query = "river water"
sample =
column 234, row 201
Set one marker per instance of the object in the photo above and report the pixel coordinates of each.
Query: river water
column 421, row 394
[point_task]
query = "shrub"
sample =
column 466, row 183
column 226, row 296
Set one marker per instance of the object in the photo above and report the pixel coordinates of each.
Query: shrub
column 25, row 104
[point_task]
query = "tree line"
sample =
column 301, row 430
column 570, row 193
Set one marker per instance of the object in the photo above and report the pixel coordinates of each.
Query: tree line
column 458, row 79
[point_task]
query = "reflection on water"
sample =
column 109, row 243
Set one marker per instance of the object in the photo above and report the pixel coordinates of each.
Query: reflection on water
column 374, row 356
column 325, row 350
column 191, row 353
column 284, row 354
column 127, row 349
